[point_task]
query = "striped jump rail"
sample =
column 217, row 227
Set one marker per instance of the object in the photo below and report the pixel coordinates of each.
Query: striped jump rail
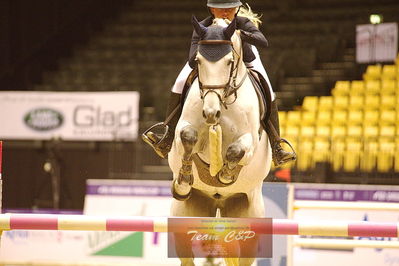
column 160, row 224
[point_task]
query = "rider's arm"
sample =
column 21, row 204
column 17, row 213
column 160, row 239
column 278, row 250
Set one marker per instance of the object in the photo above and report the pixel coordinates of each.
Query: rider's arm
column 193, row 50
column 250, row 33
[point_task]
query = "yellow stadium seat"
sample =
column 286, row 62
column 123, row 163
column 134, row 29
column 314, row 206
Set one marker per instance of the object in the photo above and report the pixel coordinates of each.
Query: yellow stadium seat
column 291, row 131
column 353, row 155
column 357, row 87
column 324, row 117
column 293, row 117
column 397, row 154
column 372, row 101
column 355, row 116
column 308, row 118
column 387, row 132
column 338, row 152
column 386, row 154
column 307, row 132
column 282, row 116
column 341, row 88
column 388, row 72
column 323, row 132
column 322, row 150
column 369, row 159
column 370, row 132
column 341, row 102
column 371, row 117
column 372, row 87
column 388, row 102
column 356, row 102
column 305, row 149
column 388, row 117
column 372, row 72
column 340, row 117
column 325, row 103
column 282, row 130
column 388, row 86
column 338, row 132
column 355, row 132
column 310, row 103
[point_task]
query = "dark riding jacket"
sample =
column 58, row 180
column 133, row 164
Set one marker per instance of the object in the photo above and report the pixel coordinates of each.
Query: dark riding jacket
column 250, row 35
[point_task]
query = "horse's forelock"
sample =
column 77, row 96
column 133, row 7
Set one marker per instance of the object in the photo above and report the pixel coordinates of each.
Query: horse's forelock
column 221, row 22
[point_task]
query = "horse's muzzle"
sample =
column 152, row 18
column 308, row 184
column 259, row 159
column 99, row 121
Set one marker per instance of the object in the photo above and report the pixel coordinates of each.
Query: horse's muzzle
column 211, row 116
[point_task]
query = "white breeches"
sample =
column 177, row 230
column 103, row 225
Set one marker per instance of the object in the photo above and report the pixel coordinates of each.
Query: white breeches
column 256, row 65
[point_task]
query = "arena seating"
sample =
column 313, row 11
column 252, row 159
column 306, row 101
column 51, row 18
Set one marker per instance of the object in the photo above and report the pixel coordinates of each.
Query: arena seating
column 355, row 129
column 311, row 45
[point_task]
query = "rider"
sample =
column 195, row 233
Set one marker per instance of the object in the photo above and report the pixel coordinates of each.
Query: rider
column 251, row 37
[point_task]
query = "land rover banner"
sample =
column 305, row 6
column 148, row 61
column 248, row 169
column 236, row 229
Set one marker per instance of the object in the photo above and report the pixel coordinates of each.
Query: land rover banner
column 74, row 116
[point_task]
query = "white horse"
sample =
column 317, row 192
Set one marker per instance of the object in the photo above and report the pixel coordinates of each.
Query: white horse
column 224, row 99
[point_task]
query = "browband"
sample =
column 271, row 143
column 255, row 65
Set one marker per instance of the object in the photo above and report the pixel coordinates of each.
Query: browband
column 215, row 42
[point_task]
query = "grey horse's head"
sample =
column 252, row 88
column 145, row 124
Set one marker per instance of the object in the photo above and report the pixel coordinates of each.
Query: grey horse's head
column 214, row 52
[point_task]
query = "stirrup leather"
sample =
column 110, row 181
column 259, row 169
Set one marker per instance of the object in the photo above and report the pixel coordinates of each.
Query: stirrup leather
column 155, row 141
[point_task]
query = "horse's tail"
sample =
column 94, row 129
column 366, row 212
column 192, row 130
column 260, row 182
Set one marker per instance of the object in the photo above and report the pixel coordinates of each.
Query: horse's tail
column 228, row 261
column 246, row 11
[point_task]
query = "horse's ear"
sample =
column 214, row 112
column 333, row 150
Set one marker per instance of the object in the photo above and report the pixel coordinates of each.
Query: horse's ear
column 198, row 27
column 229, row 31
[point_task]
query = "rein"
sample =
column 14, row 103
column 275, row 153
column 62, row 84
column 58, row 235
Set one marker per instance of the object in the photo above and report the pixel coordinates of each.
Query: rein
column 231, row 86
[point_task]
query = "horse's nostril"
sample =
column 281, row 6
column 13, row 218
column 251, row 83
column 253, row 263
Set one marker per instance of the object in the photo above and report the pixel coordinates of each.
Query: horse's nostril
column 218, row 114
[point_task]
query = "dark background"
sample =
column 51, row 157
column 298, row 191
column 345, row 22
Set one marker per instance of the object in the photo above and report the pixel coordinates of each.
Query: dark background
column 140, row 45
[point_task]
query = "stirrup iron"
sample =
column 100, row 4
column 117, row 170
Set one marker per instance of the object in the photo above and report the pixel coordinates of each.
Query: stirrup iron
column 293, row 158
column 154, row 140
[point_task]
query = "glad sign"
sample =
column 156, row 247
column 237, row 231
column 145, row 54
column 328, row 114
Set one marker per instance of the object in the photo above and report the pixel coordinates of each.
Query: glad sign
column 98, row 116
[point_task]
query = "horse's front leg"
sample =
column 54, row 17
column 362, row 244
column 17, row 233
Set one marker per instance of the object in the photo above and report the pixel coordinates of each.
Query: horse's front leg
column 182, row 185
column 239, row 151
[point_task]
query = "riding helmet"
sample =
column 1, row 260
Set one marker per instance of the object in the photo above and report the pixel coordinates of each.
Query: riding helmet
column 224, row 3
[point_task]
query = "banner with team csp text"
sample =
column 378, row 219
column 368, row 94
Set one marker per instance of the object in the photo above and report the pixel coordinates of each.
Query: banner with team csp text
column 70, row 116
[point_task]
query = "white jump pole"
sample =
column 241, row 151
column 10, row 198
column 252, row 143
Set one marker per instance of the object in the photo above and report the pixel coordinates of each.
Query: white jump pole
column 160, row 224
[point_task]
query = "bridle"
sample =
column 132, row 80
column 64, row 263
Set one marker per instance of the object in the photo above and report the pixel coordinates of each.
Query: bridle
column 229, row 88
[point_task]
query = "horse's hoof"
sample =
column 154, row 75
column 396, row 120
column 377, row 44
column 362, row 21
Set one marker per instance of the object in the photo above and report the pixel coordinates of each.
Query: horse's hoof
column 226, row 180
column 179, row 196
column 226, row 177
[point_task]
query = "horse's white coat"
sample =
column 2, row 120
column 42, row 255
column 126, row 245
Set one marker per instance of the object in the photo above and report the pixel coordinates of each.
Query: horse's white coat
column 240, row 123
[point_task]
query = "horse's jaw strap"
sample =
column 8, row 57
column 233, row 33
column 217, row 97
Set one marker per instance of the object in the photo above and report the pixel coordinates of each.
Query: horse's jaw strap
column 215, row 42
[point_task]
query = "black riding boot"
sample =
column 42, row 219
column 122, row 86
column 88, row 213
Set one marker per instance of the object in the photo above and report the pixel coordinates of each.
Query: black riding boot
column 162, row 142
column 280, row 156
column 272, row 126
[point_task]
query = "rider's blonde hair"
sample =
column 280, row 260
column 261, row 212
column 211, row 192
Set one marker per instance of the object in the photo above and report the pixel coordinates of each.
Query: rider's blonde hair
column 246, row 11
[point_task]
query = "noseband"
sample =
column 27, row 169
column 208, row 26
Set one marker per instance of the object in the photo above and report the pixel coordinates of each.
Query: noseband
column 231, row 86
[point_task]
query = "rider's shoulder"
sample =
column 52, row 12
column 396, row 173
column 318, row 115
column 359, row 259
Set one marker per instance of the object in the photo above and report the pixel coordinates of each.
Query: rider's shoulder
column 243, row 21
